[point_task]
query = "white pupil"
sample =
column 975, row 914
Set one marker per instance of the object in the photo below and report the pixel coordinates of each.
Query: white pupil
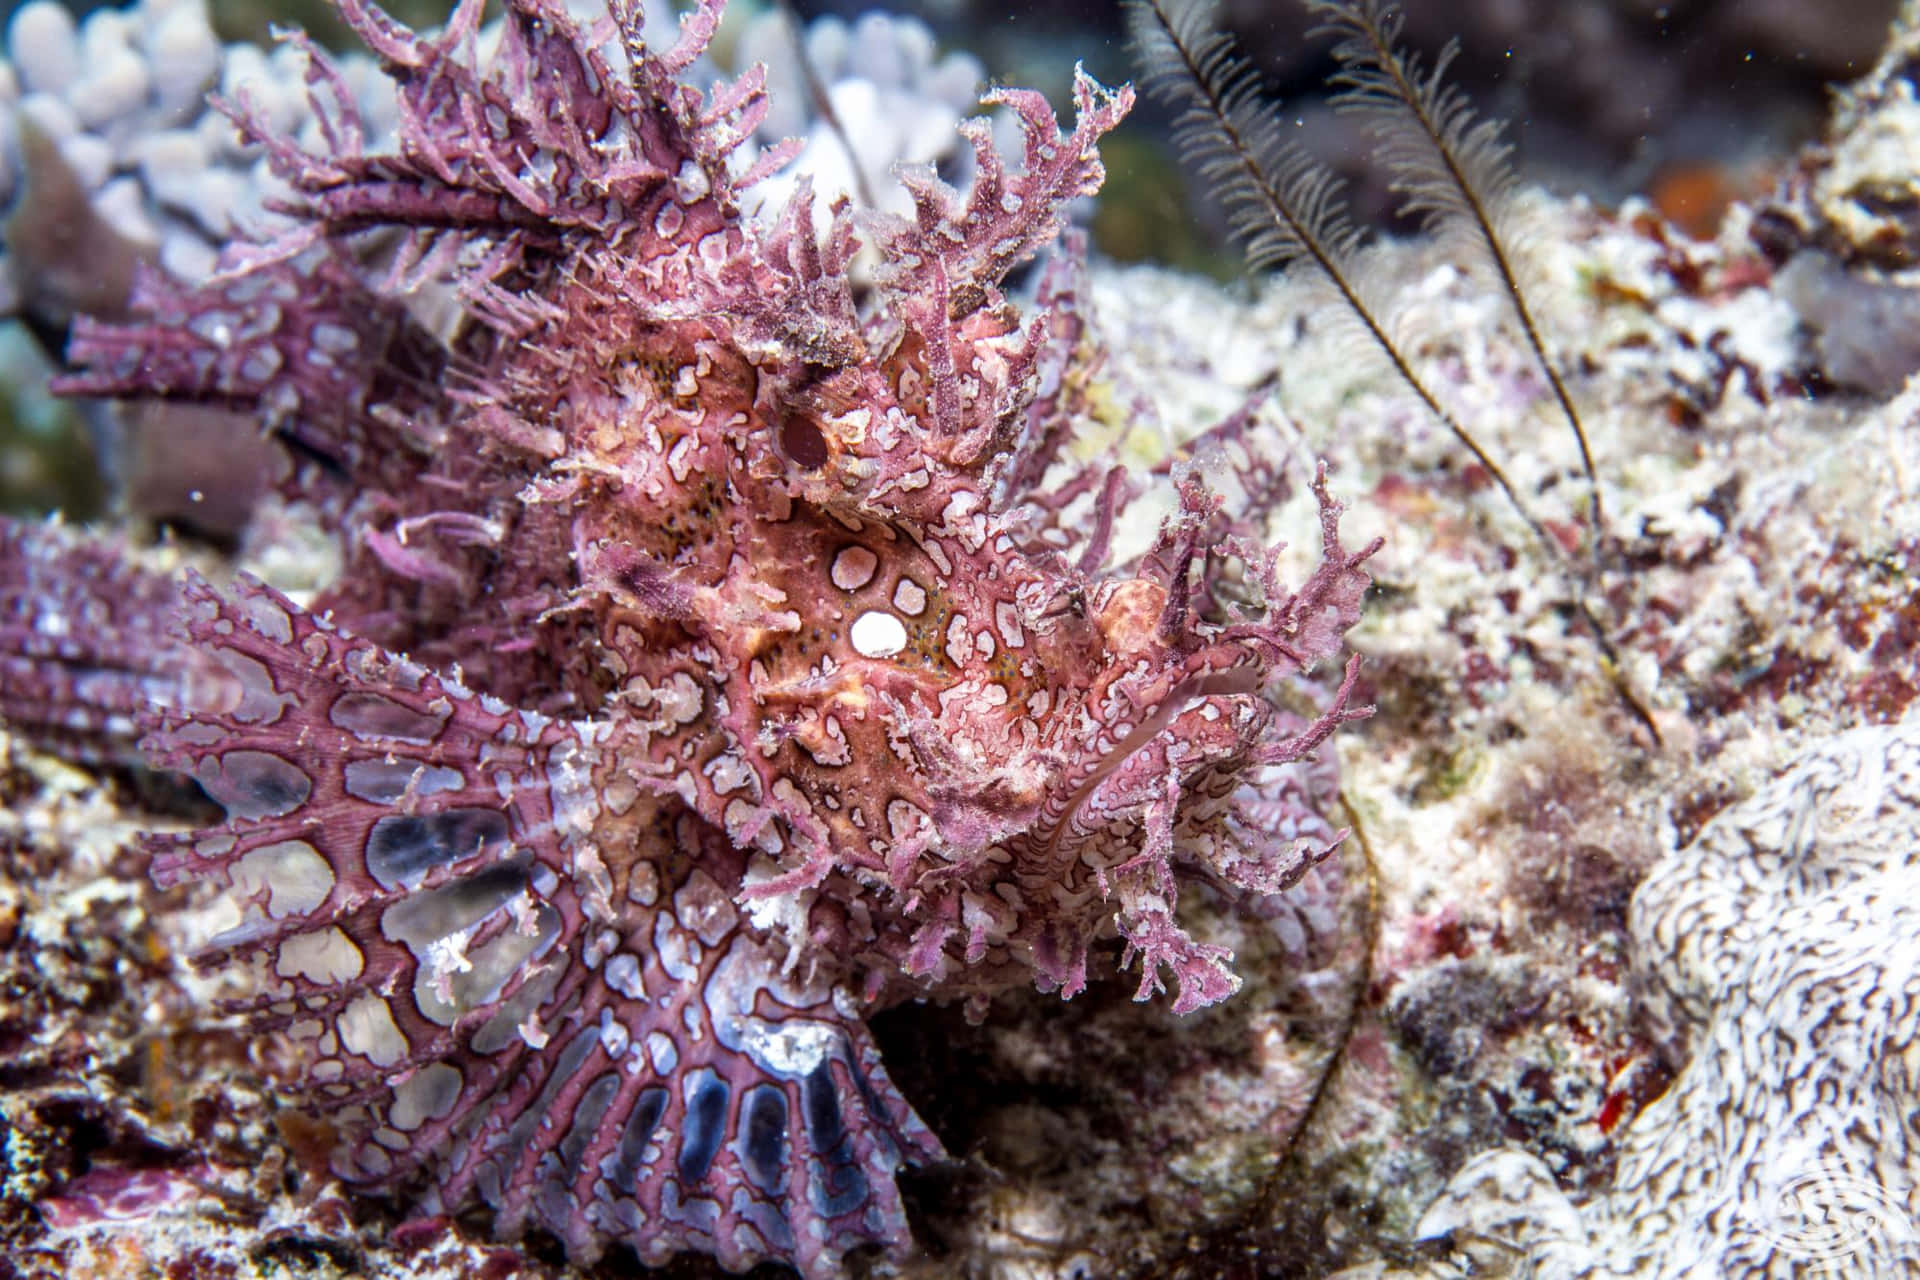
column 878, row 634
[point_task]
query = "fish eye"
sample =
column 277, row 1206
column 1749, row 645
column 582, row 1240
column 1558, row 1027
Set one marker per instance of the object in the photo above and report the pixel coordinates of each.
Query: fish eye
column 802, row 441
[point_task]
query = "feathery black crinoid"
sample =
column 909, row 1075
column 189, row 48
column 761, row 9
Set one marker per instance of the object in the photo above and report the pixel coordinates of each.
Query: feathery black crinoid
column 1449, row 166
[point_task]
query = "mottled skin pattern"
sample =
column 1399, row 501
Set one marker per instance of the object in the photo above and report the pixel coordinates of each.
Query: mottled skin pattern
column 765, row 664
column 78, row 662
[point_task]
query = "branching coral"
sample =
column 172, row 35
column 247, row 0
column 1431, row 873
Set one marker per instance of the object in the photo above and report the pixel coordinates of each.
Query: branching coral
column 764, row 664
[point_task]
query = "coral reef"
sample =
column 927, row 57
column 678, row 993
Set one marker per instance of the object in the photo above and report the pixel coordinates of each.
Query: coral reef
column 108, row 144
column 1779, row 948
column 1493, row 1029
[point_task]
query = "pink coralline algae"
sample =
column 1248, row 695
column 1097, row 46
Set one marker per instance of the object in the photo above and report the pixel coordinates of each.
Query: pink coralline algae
column 763, row 661
column 114, row 1194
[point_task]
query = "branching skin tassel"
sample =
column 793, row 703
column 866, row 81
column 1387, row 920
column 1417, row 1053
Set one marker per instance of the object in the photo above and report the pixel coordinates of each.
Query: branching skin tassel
column 764, row 664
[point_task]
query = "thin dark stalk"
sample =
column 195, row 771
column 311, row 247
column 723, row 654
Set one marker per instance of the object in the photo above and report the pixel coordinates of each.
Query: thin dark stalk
column 1213, row 78
column 822, row 103
column 1293, row 1154
column 1383, row 81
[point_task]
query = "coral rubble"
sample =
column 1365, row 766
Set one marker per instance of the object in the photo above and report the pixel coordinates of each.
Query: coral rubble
column 764, row 661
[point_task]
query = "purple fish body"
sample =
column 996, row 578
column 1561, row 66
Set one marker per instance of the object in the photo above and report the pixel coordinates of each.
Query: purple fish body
column 763, row 664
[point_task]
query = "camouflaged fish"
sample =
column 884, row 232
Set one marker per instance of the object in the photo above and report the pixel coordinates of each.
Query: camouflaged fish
column 727, row 647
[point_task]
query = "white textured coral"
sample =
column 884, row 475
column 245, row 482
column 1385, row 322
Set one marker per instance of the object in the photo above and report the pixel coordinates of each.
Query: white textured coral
column 122, row 99
column 1783, row 947
column 897, row 102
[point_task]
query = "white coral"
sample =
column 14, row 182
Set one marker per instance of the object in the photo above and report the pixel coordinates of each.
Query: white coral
column 1783, row 947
